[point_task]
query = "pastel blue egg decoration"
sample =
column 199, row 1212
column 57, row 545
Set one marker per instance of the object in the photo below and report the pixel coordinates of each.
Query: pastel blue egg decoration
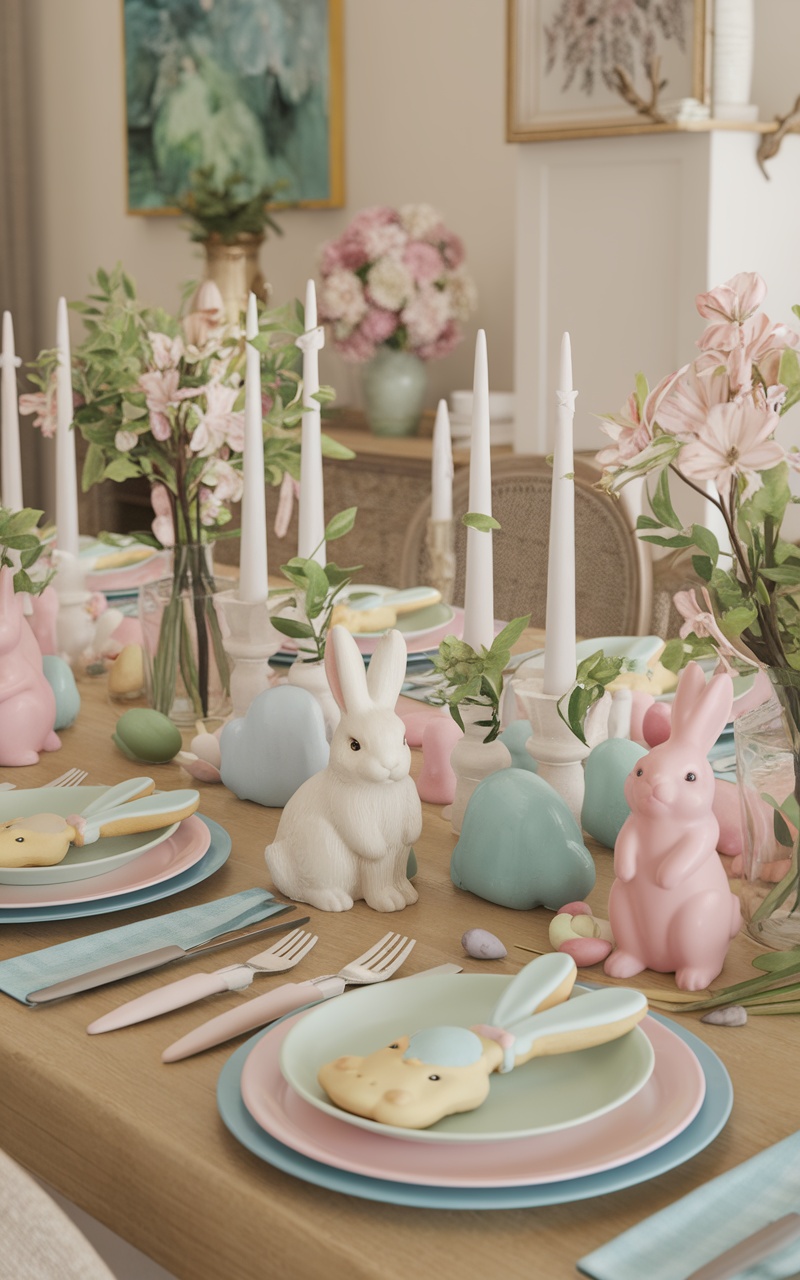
column 520, row 846
column 515, row 737
column 58, row 674
column 604, row 805
column 272, row 750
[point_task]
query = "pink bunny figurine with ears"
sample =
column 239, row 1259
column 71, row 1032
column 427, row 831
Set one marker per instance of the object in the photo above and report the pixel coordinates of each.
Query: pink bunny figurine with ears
column 27, row 701
column 670, row 906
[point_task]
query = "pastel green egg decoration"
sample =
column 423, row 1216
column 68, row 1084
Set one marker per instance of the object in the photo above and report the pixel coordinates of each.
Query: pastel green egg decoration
column 147, row 735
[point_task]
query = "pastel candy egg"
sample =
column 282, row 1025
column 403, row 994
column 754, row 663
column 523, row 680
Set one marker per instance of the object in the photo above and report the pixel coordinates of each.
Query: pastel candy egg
column 126, row 674
column 144, row 734
column 482, row 945
column 68, row 700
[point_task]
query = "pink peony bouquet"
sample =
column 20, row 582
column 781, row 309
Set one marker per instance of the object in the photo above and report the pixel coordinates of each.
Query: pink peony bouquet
column 395, row 278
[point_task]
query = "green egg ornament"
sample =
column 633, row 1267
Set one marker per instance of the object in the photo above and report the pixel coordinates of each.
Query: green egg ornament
column 147, row 735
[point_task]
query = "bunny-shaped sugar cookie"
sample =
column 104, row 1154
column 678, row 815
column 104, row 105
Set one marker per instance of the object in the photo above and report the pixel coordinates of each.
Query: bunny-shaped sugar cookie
column 346, row 833
column 670, row 906
column 439, row 1071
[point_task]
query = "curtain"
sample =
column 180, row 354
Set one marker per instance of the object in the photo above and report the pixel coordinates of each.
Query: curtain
column 16, row 213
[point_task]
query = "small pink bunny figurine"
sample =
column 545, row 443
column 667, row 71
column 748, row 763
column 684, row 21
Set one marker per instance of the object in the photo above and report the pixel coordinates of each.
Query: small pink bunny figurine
column 27, row 702
column 670, row 907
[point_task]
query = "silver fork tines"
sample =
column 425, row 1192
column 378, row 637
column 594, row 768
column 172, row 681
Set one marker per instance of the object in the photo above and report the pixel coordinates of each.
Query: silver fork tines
column 379, row 961
column 289, row 952
column 72, row 778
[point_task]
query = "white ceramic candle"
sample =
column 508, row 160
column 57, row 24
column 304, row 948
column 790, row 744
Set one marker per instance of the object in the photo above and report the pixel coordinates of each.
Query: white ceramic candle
column 559, row 652
column 10, row 461
column 479, row 587
column 311, row 507
column 66, row 485
column 253, row 567
column 442, row 466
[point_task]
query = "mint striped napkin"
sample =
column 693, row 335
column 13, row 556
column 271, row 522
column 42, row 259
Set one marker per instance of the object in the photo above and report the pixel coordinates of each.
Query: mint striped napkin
column 672, row 1244
column 187, row 928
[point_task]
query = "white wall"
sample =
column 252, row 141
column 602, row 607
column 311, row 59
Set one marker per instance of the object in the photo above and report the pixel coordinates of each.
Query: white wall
column 424, row 112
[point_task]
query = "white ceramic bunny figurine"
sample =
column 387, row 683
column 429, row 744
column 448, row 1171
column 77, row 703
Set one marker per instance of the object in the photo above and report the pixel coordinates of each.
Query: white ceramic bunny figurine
column 670, row 906
column 346, row 833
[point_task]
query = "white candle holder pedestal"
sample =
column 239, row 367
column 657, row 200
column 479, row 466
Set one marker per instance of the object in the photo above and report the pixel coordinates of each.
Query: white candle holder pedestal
column 250, row 642
column 472, row 760
column 559, row 755
column 74, row 625
column 440, row 543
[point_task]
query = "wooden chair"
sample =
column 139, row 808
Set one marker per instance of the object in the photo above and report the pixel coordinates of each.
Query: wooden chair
column 613, row 585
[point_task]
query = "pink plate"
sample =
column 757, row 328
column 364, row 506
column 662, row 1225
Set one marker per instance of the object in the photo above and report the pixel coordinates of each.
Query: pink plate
column 662, row 1108
column 132, row 577
column 181, row 850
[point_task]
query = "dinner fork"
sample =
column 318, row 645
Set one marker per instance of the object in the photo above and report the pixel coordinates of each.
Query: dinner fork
column 376, row 964
column 282, row 955
column 72, row 778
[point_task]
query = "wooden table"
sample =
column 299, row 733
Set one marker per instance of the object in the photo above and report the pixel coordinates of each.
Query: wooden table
column 140, row 1145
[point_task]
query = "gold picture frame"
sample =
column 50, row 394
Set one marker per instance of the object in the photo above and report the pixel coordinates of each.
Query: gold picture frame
column 567, row 77
column 225, row 91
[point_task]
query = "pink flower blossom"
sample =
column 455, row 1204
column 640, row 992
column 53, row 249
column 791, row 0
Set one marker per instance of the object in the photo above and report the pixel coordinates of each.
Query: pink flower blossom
column 424, row 262
column 125, row 441
column 342, row 298
column 44, row 405
column 426, row 316
column 703, row 623
column 735, row 300
column 356, row 347
column 631, row 430
column 446, row 342
column 289, row 490
column 162, row 392
column 218, row 425
column 379, row 324
column 162, row 526
column 684, row 410
column 167, row 351
column 734, row 440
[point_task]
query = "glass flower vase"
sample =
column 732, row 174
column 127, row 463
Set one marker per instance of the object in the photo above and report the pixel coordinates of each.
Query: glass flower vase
column 768, row 775
column 187, row 671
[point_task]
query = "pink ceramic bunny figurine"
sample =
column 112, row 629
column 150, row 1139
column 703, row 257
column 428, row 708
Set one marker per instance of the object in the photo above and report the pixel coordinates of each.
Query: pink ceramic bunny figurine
column 27, row 701
column 670, row 907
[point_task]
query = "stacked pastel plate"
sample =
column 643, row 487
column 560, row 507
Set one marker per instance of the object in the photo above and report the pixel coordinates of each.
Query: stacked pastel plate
column 552, row 1131
column 115, row 872
column 118, row 571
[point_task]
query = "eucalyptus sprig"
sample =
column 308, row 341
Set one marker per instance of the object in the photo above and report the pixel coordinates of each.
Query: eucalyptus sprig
column 591, row 678
column 476, row 679
column 20, row 548
column 320, row 589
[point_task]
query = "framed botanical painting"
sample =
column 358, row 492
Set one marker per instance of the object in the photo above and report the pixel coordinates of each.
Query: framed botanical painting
column 594, row 68
column 251, row 87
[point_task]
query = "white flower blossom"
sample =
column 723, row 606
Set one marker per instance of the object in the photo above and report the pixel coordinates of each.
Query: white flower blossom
column 390, row 284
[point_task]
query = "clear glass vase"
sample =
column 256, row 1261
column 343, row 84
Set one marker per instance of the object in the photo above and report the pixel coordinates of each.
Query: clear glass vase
column 768, row 773
column 187, row 672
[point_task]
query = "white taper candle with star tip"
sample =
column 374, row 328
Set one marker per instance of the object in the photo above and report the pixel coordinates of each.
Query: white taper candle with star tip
column 311, row 505
column 479, row 587
column 66, row 485
column 10, row 457
column 559, row 652
column 253, row 565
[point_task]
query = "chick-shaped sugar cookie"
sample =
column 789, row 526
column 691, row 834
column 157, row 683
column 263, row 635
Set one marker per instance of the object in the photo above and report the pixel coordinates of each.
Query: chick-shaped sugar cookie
column 436, row 1072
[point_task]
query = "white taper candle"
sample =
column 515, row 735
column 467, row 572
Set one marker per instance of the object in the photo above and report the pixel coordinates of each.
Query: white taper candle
column 479, row 587
column 311, row 505
column 253, row 567
column 442, row 466
column 66, row 485
column 10, row 458
column 559, row 651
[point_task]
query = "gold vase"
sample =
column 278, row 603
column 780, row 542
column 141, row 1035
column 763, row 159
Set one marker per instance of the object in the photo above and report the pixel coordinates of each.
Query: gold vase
column 236, row 270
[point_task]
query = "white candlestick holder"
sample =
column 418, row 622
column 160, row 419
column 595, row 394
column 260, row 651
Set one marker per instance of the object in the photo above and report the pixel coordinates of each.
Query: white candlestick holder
column 558, row 753
column 440, row 540
column 74, row 624
column 250, row 643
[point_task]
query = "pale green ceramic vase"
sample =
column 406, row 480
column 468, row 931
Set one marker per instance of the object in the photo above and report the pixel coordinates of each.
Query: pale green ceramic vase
column 394, row 390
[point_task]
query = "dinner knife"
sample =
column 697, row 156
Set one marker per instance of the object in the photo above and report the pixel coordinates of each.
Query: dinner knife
column 268, row 1008
column 754, row 1248
column 153, row 960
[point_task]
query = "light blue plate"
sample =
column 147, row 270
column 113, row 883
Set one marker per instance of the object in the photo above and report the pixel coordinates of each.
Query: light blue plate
column 704, row 1128
column 216, row 856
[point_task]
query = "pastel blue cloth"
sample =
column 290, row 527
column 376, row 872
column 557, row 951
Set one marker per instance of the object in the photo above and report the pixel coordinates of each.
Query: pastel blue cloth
column 187, row 928
column 689, row 1233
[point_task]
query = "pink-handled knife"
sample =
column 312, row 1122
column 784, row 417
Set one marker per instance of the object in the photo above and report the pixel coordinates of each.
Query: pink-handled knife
column 282, row 955
column 267, row 1008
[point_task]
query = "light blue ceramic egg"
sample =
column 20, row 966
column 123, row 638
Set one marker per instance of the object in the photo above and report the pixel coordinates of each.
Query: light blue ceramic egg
column 61, row 680
column 272, row 750
column 516, row 737
column 604, row 805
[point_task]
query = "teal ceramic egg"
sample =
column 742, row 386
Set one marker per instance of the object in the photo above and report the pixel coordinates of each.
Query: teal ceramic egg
column 604, row 805
column 520, row 846
column 58, row 674
column 147, row 735
column 516, row 737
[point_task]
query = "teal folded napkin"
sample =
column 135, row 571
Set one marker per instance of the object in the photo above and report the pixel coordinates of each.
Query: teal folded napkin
column 187, row 928
column 672, row 1244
